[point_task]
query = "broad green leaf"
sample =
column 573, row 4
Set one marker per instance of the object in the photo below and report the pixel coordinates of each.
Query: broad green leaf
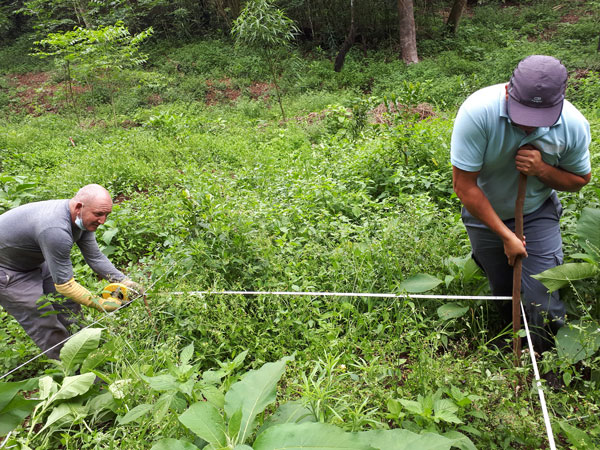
column 445, row 409
column 239, row 359
column 14, row 412
column 48, row 387
column 58, row 413
column 451, row 311
column 583, row 256
column 173, row 444
column 187, row 387
column 214, row 396
column 74, row 386
column 179, row 403
column 8, row 390
column 313, row 436
column 253, row 393
column 109, row 235
column 460, row 440
column 448, row 279
column 101, row 402
column 162, row 383
column 212, row 376
column 575, row 342
column 242, row 447
column 412, row 406
column 470, row 270
column 560, row 276
column 134, row 414
column 404, row 440
column 79, row 347
column 394, row 407
column 187, row 353
column 290, row 412
column 93, row 360
column 234, row 424
column 420, row 282
column 162, row 406
column 205, row 421
column 576, row 437
column 588, row 231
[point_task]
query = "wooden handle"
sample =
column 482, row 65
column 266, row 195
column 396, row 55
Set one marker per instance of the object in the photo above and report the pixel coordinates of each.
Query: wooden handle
column 517, row 269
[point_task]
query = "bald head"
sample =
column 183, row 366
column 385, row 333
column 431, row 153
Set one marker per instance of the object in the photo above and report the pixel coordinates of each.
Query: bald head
column 92, row 192
column 90, row 207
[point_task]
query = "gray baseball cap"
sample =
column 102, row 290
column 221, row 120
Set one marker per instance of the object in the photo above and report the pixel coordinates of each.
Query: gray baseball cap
column 536, row 91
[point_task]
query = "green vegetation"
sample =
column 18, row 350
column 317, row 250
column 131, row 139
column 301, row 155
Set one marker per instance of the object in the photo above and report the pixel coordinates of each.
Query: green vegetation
column 352, row 193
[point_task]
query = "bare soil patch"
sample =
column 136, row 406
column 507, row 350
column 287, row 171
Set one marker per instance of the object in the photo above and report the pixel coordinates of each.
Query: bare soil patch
column 382, row 114
column 260, row 90
column 220, row 91
column 37, row 94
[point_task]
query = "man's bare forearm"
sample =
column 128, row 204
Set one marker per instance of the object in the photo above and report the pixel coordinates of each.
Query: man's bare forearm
column 473, row 198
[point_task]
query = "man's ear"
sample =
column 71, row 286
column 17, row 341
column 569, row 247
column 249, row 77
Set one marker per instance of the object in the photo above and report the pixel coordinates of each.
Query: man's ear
column 78, row 207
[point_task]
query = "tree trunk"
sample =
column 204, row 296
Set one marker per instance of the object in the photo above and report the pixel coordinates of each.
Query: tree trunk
column 229, row 10
column 599, row 45
column 81, row 14
column 274, row 75
column 408, row 32
column 455, row 15
column 348, row 42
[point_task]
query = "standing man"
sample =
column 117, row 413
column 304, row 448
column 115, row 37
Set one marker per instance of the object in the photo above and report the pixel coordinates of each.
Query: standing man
column 35, row 248
column 525, row 126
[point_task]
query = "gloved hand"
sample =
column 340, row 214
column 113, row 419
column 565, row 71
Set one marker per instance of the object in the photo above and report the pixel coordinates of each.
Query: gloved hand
column 105, row 304
column 76, row 292
column 136, row 288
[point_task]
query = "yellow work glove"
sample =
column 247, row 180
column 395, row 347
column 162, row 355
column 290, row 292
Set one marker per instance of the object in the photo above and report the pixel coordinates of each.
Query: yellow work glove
column 136, row 288
column 76, row 292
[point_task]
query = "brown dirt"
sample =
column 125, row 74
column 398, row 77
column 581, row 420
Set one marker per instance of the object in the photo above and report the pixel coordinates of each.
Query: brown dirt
column 381, row 113
column 36, row 93
column 127, row 123
column 312, row 117
column 581, row 73
column 120, row 198
column 154, row 100
column 569, row 18
column 258, row 90
column 220, row 91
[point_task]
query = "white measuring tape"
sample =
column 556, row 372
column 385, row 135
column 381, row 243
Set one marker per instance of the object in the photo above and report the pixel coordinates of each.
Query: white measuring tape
column 357, row 294
column 344, row 294
column 539, row 384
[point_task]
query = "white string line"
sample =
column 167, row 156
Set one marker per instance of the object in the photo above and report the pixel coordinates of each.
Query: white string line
column 539, row 384
column 6, row 440
column 343, row 294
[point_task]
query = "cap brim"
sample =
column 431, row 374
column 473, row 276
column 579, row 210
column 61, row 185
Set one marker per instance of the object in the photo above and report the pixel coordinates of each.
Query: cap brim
column 533, row 117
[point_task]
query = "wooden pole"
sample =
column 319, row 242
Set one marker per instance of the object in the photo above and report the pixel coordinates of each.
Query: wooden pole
column 517, row 269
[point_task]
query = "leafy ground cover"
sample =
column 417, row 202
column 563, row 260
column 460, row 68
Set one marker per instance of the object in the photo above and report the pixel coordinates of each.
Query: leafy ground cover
column 352, row 193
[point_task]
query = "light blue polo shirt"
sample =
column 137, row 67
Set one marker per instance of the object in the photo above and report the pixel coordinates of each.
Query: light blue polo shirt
column 484, row 140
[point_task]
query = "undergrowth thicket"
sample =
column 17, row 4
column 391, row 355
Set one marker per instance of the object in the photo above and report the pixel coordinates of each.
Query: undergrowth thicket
column 352, row 193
